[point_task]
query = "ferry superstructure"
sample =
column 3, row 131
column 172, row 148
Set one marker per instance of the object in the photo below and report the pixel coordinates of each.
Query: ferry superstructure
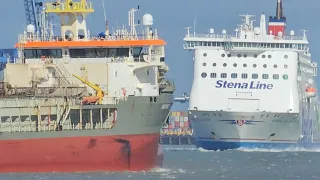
column 77, row 102
column 255, row 88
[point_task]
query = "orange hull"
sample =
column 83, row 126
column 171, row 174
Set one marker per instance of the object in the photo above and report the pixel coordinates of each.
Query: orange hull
column 81, row 154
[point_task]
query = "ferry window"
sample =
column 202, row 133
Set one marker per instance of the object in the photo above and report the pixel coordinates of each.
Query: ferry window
column 223, row 55
column 90, row 53
column 286, row 56
column 240, row 44
column 269, row 56
column 245, row 56
column 102, row 53
column 285, row 66
column 286, row 46
column 204, row 64
column 244, row 75
column 205, row 54
column 285, row 77
column 239, row 55
column 244, row 65
column 265, row 66
column 277, row 45
column 248, row 44
column 235, row 65
column 214, row 64
column 273, row 45
column 265, row 76
column 213, row 75
column 77, row 53
column 234, row 75
column 123, row 52
column 275, row 66
column 254, row 76
column 254, row 65
column 112, row 52
column 136, row 51
column 275, row 76
column 263, row 56
column 254, row 44
column 205, row 43
column 224, row 64
column 223, row 75
column 255, row 56
column 229, row 55
column 203, row 75
column 218, row 44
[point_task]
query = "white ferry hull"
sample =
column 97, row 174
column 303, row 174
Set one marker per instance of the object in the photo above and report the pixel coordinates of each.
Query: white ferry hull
column 262, row 131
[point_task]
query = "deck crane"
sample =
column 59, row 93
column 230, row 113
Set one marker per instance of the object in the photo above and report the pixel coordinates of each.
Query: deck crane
column 99, row 92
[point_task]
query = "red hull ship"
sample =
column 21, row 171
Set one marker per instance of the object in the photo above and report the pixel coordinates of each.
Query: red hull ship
column 104, row 120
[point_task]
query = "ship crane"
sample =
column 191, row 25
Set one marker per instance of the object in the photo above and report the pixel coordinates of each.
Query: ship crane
column 99, row 92
column 184, row 97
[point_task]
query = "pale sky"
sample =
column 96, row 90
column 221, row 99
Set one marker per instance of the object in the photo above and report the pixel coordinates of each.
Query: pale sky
column 170, row 19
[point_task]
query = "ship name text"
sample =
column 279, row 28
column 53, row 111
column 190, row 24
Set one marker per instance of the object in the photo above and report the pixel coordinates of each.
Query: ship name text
column 251, row 85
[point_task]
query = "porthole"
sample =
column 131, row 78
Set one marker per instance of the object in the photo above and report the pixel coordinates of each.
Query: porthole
column 269, row 56
column 265, row 66
column 285, row 66
column 263, row 56
column 224, row 64
column 245, row 56
column 244, row 65
column 204, row 54
column 235, row 65
column 223, row 55
column 275, row 66
column 286, row 56
column 204, row 64
column 254, row 65
column 255, row 56
column 229, row 55
column 203, row 75
column 214, row 64
column 239, row 55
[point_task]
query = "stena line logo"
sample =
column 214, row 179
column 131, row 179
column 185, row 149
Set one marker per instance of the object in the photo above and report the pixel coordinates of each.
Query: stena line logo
column 250, row 85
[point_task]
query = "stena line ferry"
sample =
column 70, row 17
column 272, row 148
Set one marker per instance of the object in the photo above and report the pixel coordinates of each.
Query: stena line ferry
column 253, row 88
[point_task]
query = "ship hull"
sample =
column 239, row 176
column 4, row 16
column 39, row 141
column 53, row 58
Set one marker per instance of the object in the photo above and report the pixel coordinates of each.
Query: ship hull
column 76, row 154
column 131, row 144
column 219, row 130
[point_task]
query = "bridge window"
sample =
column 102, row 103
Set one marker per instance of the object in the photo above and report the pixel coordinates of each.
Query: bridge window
column 234, row 75
column 223, row 75
column 254, row 76
column 275, row 76
column 203, row 75
column 38, row 53
column 244, row 75
column 213, row 75
column 265, row 76
column 101, row 52
column 136, row 51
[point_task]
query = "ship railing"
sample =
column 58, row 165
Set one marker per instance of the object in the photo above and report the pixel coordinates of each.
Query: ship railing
column 25, row 38
column 235, row 37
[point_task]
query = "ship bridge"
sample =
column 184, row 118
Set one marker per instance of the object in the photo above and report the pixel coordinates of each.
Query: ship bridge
column 247, row 37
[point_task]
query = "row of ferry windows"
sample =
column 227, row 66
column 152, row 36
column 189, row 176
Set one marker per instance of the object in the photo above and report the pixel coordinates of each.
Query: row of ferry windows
column 245, row 55
column 245, row 65
column 243, row 76
column 241, row 44
column 82, row 53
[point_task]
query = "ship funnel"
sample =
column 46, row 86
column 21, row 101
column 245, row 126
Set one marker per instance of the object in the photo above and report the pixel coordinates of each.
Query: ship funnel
column 277, row 23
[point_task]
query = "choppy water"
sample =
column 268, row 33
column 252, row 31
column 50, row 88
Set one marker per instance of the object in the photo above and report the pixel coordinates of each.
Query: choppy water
column 189, row 163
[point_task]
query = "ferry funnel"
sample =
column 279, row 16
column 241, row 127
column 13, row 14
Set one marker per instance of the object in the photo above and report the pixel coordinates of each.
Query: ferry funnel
column 277, row 23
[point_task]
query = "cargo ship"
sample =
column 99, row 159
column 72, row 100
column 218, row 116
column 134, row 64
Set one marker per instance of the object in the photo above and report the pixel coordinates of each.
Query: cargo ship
column 177, row 130
column 255, row 87
column 78, row 102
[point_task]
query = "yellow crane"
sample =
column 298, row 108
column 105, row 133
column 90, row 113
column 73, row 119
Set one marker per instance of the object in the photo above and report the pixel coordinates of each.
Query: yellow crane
column 99, row 92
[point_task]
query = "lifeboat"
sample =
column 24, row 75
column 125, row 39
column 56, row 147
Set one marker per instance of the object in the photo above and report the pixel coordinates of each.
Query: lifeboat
column 311, row 92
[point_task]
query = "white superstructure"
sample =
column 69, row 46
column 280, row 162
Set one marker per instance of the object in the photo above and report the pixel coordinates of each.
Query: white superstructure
column 250, row 86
